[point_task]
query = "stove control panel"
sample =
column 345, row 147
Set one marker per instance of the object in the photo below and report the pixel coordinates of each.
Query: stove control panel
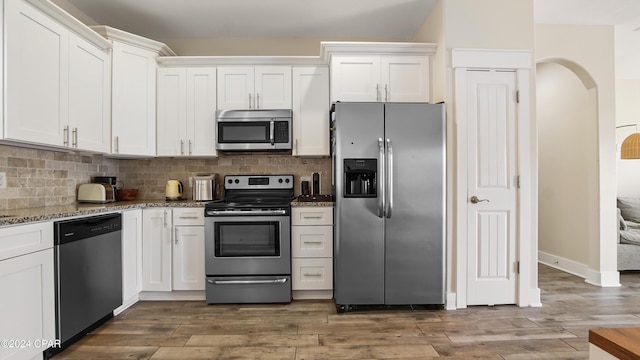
column 237, row 182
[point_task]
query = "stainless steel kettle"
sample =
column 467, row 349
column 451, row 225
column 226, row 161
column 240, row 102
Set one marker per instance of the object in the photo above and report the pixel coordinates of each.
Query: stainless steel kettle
column 173, row 190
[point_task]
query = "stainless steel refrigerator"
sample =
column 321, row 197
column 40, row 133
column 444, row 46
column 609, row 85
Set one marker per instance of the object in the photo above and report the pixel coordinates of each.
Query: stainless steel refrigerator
column 389, row 188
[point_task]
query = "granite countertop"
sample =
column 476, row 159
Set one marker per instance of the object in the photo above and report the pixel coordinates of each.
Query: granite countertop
column 24, row 216
column 296, row 203
column 45, row 213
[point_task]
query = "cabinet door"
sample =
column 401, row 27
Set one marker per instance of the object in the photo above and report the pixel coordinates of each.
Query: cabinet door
column 172, row 111
column 201, row 112
column 236, row 87
column 310, row 111
column 89, row 96
column 133, row 100
column 131, row 254
column 27, row 302
column 156, row 250
column 273, row 87
column 405, row 78
column 36, row 75
column 188, row 258
column 355, row 78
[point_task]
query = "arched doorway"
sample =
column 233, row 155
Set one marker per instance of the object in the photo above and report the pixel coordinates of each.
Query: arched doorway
column 569, row 203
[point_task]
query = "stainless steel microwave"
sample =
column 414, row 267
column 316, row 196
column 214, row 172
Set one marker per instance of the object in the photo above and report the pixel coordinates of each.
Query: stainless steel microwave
column 253, row 130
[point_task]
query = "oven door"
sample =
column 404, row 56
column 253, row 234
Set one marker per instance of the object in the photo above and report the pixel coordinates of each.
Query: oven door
column 247, row 245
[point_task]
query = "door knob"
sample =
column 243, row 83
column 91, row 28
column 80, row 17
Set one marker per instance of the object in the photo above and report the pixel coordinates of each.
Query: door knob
column 474, row 200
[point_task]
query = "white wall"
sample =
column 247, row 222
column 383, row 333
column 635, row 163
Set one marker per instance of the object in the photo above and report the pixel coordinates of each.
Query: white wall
column 568, row 181
column 589, row 52
column 627, row 106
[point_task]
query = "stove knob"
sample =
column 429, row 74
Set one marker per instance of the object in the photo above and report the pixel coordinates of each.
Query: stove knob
column 230, row 181
column 287, row 180
column 280, row 181
column 237, row 181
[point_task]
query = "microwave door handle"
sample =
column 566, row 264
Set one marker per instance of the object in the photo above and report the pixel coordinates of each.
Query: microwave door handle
column 271, row 131
column 381, row 177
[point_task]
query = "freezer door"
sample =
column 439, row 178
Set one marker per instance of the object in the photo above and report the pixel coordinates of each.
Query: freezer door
column 414, row 247
column 359, row 232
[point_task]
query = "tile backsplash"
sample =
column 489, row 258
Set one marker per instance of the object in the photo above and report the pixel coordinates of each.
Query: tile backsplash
column 149, row 176
column 43, row 178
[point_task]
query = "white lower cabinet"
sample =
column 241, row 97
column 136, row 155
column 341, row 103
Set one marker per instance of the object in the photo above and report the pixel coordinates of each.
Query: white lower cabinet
column 156, row 249
column 27, row 283
column 173, row 249
column 312, row 252
column 131, row 258
column 188, row 249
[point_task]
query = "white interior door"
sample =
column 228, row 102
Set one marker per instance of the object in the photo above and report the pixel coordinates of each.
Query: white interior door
column 492, row 187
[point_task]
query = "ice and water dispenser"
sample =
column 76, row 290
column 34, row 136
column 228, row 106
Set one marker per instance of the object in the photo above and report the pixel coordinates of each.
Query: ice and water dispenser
column 360, row 177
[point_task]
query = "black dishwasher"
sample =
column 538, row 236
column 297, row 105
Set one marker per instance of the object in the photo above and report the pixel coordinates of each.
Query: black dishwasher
column 88, row 278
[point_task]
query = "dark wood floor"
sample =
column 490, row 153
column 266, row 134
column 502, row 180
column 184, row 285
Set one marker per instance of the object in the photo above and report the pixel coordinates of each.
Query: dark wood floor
column 313, row 330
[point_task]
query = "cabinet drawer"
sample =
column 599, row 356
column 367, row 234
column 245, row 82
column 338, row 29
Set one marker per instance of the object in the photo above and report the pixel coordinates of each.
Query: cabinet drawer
column 188, row 216
column 312, row 274
column 312, row 215
column 24, row 239
column 312, row 241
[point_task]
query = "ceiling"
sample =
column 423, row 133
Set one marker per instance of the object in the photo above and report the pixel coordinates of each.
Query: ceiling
column 313, row 19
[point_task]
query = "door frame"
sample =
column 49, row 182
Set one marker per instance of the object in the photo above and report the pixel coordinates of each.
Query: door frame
column 520, row 61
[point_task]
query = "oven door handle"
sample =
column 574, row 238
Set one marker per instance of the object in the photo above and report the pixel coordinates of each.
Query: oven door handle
column 246, row 212
column 246, row 282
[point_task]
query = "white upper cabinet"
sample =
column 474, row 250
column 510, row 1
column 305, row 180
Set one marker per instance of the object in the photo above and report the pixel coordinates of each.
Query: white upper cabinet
column 56, row 82
column 89, row 96
column 384, row 78
column 310, row 111
column 133, row 103
column 133, row 95
column 379, row 72
column 254, row 87
column 355, row 78
column 186, row 111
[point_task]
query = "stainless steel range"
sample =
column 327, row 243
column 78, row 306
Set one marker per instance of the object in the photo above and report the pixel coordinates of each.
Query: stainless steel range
column 248, row 241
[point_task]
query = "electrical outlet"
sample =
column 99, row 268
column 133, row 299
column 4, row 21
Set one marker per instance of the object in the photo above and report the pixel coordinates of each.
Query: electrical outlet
column 3, row 180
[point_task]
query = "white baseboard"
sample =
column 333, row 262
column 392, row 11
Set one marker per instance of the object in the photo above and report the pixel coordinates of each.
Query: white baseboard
column 593, row 277
column 126, row 304
column 312, row 294
column 560, row 263
column 172, row 295
column 451, row 301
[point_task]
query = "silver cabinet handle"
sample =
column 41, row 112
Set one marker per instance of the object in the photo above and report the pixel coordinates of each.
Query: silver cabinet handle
column 246, row 282
column 474, row 200
column 164, row 217
column 312, row 242
column 314, row 275
column 381, row 184
column 249, row 100
column 257, row 100
column 377, row 92
column 176, row 236
column 389, row 179
column 271, row 131
column 117, row 145
column 74, row 138
column 386, row 92
column 65, row 136
column 190, row 147
column 181, row 147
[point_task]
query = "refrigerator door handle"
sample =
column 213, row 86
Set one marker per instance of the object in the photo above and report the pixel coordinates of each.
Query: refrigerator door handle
column 381, row 176
column 389, row 180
